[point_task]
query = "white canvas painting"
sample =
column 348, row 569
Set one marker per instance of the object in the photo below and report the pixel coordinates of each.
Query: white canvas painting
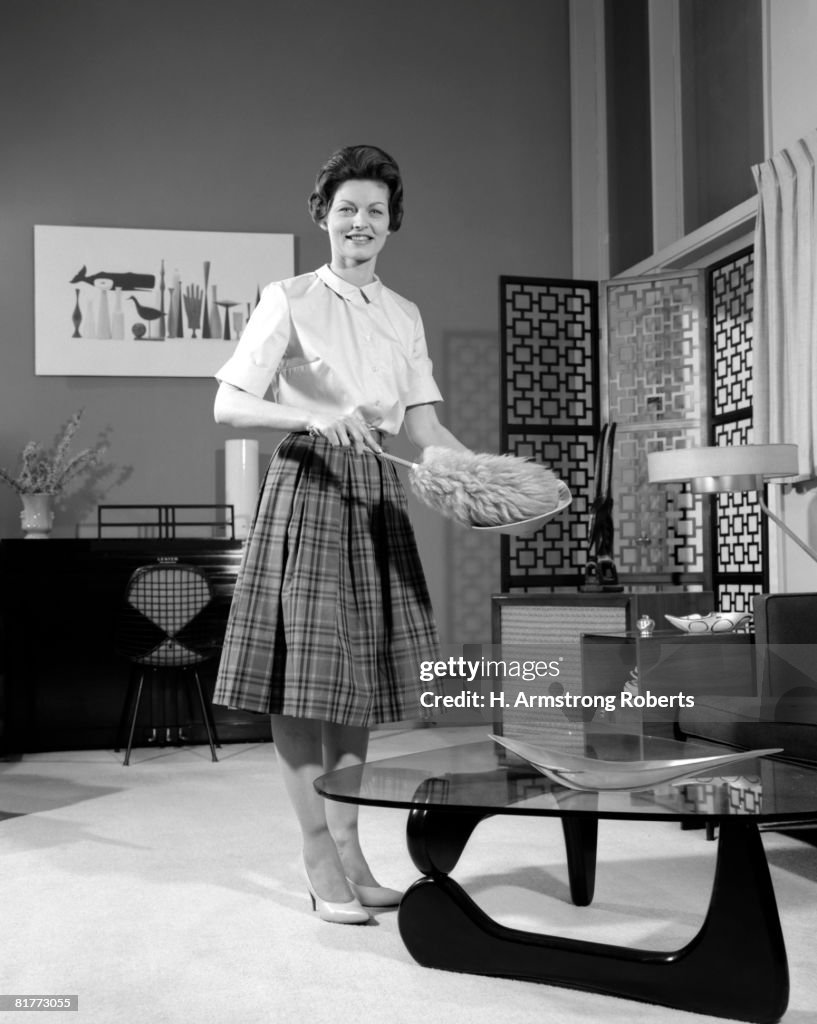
column 143, row 303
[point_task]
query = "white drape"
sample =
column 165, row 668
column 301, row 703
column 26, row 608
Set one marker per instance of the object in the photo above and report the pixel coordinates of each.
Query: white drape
column 785, row 312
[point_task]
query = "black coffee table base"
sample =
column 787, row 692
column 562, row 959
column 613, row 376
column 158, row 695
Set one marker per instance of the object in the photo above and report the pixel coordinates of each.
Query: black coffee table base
column 734, row 967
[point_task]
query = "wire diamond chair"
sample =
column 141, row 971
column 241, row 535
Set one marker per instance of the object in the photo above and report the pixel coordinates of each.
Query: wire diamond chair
column 168, row 627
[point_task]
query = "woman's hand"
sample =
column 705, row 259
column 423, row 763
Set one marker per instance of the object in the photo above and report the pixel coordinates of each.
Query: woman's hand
column 347, row 431
column 238, row 408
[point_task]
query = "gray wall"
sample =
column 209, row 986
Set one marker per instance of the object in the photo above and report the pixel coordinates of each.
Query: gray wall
column 215, row 115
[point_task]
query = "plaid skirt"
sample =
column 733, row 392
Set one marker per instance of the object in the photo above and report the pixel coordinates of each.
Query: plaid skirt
column 331, row 615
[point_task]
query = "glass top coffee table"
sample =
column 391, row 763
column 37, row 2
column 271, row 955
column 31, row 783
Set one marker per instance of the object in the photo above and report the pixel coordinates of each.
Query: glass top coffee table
column 735, row 966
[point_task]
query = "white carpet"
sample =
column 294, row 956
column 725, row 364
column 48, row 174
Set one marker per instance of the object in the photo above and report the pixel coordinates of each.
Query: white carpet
column 170, row 891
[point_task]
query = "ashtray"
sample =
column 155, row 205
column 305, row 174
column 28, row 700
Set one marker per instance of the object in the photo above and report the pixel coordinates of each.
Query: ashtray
column 715, row 622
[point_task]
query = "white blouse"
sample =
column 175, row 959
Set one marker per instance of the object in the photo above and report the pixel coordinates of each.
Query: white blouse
column 325, row 345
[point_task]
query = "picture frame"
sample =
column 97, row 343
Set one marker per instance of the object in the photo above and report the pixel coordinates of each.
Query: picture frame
column 136, row 302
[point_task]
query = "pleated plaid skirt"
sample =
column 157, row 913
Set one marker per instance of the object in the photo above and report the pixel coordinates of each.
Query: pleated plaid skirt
column 331, row 615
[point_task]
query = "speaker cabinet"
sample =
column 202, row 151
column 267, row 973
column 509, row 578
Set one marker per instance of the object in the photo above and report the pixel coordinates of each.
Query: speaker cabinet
column 537, row 652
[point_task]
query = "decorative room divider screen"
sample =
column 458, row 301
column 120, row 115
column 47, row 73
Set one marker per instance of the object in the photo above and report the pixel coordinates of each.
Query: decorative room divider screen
column 654, row 339
column 667, row 380
column 739, row 530
column 550, row 411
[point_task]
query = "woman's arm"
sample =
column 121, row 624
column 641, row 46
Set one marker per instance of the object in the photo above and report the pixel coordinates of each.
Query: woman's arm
column 237, row 408
column 423, row 428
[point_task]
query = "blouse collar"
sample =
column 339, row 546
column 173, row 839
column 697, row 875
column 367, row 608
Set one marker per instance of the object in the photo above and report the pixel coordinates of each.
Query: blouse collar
column 359, row 296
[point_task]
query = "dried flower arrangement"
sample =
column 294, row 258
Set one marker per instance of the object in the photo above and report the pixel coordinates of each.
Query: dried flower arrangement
column 49, row 472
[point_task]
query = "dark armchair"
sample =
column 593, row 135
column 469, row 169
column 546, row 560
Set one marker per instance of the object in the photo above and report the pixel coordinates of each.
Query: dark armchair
column 783, row 712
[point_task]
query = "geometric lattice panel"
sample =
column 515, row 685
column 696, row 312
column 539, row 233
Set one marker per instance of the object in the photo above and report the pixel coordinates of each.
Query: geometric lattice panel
column 739, row 529
column 659, row 529
column 738, row 532
column 730, row 318
column 471, row 386
column 657, row 394
column 739, row 520
column 737, row 597
column 550, row 352
column 555, row 554
column 549, row 407
column 654, row 360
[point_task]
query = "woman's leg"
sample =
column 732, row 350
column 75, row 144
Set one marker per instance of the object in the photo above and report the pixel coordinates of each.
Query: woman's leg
column 299, row 749
column 345, row 746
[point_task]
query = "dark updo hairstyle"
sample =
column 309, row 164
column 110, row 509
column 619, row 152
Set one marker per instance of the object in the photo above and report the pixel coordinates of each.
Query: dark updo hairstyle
column 357, row 163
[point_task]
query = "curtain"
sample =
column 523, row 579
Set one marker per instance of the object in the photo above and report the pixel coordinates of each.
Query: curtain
column 785, row 313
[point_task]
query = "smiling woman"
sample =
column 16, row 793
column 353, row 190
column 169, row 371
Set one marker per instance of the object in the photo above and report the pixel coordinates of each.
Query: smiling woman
column 358, row 163
column 331, row 616
column 358, row 226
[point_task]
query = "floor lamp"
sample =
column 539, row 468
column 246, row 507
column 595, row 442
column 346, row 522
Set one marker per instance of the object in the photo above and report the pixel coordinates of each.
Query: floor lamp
column 729, row 468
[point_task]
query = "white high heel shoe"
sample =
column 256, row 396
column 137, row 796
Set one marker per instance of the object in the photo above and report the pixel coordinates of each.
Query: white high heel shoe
column 375, row 895
column 350, row 912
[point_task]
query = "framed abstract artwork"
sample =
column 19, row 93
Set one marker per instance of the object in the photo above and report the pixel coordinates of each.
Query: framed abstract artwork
column 131, row 302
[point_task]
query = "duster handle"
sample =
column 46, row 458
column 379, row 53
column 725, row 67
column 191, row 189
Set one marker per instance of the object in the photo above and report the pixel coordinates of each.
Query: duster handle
column 394, row 458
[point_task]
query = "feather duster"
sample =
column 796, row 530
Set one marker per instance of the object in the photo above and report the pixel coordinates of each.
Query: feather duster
column 482, row 490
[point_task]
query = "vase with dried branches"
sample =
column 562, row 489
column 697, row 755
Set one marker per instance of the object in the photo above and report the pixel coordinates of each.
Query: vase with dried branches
column 45, row 474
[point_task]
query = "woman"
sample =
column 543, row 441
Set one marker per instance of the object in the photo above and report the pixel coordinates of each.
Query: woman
column 331, row 616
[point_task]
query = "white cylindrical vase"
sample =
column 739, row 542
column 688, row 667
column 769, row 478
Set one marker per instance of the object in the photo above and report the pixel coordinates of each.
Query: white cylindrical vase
column 241, row 481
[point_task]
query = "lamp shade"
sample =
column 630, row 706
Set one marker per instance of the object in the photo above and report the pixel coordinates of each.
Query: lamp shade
column 723, row 468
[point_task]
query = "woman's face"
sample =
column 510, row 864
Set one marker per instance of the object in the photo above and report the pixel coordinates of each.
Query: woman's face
column 357, row 222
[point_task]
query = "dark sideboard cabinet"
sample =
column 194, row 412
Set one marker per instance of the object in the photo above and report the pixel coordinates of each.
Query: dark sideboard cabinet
column 62, row 685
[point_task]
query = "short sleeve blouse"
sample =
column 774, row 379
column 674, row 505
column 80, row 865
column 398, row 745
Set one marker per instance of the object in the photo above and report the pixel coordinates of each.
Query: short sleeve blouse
column 324, row 345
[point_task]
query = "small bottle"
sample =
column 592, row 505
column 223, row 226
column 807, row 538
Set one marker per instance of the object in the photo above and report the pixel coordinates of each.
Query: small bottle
column 645, row 625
